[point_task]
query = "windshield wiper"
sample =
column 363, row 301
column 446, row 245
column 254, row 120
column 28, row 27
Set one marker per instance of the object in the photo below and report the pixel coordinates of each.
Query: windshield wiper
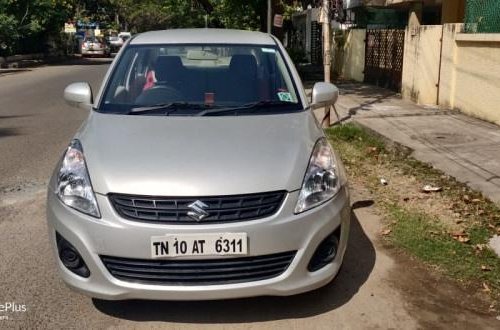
column 260, row 105
column 164, row 108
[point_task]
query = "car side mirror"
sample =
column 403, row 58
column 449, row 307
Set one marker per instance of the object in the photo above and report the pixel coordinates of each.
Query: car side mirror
column 79, row 95
column 324, row 94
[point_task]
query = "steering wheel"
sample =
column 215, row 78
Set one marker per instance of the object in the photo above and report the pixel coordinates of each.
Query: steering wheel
column 159, row 94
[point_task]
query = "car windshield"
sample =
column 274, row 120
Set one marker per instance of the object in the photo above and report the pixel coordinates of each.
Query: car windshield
column 200, row 80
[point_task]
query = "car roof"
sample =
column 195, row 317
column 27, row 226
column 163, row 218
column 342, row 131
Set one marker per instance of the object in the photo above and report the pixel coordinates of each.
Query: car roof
column 203, row 36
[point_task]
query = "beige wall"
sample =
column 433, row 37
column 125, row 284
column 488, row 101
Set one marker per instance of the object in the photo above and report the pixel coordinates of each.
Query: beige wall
column 467, row 68
column 448, row 58
column 475, row 75
column 352, row 59
column 421, row 64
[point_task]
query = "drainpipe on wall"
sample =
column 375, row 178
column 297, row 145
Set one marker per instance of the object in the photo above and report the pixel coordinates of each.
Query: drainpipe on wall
column 440, row 63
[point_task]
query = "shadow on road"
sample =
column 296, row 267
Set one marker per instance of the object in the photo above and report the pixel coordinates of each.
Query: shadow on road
column 5, row 132
column 15, row 116
column 372, row 95
column 358, row 264
column 11, row 131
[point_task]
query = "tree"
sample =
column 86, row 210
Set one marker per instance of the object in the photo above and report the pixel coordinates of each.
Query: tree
column 157, row 14
column 240, row 14
column 21, row 19
column 140, row 16
column 25, row 24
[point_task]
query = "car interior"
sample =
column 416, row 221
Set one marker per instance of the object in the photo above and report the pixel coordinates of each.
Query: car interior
column 153, row 77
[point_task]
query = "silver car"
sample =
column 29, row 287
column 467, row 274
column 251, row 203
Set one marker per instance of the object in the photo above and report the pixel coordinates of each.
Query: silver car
column 92, row 46
column 200, row 173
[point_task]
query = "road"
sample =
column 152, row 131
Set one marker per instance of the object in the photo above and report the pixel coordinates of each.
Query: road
column 377, row 287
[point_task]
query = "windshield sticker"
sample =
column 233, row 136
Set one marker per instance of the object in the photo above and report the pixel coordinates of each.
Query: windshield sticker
column 268, row 50
column 285, row 96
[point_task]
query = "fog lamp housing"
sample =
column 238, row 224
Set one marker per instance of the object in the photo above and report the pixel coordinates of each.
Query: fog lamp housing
column 70, row 257
column 325, row 252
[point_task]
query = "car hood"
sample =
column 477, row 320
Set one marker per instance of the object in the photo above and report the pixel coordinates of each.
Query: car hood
column 197, row 156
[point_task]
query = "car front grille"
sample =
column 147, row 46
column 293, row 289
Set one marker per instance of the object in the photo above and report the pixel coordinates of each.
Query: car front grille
column 199, row 272
column 219, row 209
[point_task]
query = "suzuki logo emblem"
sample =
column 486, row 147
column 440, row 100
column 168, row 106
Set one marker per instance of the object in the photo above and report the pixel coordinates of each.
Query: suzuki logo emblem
column 198, row 212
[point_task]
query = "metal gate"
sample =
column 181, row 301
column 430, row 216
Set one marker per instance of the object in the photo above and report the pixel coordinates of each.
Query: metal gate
column 384, row 58
column 316, row 43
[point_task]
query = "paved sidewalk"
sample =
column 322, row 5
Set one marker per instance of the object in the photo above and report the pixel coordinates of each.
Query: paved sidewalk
column 463, row 147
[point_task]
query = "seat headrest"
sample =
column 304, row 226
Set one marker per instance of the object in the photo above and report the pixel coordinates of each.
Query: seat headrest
column 168, row 68
column 243, row 64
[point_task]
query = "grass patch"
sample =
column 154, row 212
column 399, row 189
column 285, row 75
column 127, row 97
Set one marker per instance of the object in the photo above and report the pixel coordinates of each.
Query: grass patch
column 429, row 241
column 355, row 135
column 425, row 225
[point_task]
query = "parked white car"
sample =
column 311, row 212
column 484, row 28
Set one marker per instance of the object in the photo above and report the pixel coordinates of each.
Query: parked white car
column 200, row 173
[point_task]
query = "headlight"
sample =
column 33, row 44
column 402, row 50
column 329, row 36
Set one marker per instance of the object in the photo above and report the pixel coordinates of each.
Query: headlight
column 322, row 180
column 73, row 182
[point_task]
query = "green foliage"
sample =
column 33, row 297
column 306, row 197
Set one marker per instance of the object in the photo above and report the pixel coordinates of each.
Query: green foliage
column 239, row 14
column 29, row 19
column 356, row 136
column 30, row 22
column 139, row 16
column 427, row 239
column 8, row 33
column 157, row 14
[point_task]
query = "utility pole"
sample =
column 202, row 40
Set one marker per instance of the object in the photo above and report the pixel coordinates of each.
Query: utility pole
column 324, row 18
column 327, row 48
column 269, row 16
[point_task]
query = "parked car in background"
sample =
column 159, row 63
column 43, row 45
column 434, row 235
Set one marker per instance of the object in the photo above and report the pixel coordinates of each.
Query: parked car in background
column 125, row 35
column 95, row 46
column 116, row 42
column 200, row 173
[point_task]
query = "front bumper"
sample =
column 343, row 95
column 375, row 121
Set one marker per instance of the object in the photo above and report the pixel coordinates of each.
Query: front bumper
column 114, row 236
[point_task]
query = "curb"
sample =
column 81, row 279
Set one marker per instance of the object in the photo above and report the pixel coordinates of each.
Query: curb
column 30, row 60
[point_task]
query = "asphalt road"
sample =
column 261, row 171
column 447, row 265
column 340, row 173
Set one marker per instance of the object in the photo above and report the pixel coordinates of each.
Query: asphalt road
column 377, row 287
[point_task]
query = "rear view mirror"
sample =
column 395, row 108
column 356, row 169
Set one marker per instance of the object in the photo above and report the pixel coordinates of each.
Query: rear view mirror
column 324, row 94
column 79, row 95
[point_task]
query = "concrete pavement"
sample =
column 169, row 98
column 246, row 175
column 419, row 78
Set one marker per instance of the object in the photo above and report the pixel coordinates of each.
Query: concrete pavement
column 464, row 147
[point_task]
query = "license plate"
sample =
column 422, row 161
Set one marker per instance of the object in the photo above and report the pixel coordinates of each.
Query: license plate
column 199, row 245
